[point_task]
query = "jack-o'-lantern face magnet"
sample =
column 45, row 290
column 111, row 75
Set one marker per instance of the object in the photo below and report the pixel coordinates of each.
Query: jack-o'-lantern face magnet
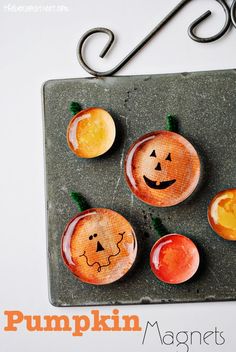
column 99, row 246
column 162, row 168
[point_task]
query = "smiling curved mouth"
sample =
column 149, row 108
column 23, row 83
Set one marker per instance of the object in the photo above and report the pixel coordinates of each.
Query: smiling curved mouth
column 161, row 185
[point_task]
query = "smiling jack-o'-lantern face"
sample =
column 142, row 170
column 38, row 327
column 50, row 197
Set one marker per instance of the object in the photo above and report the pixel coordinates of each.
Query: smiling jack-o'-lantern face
column 162, row 168
column 99, row 246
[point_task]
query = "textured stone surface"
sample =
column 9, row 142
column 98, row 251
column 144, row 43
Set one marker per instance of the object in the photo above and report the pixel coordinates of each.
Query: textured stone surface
column 206, row 108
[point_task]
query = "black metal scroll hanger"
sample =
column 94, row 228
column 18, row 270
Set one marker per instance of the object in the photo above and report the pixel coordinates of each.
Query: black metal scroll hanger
column 233, row 13
column 230, row 16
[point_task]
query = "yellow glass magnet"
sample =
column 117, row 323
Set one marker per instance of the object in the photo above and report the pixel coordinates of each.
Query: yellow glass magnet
column 91, row 133
column 222, row 214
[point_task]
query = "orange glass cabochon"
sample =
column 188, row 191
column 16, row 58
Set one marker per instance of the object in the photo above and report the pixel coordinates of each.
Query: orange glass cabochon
column 91, row 133
column 99, row 246
column 162, row 168
column 174, row 259
column 222, row 214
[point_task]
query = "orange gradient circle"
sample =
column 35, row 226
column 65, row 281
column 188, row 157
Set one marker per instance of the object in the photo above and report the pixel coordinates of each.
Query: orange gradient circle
column 222, row 214
column 162, row 168
column 174, row 259
column 99, row 246
column 91, row 133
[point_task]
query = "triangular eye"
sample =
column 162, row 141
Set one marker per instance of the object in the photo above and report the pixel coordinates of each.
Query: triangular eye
column 153, row 153
column 169, row 157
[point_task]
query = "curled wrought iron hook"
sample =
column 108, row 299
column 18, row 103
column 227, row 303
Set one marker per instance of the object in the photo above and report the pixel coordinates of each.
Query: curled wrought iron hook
column 104, row 51
column 127, row 58
column 194, row 25
column 111, row 41
column 233, row 13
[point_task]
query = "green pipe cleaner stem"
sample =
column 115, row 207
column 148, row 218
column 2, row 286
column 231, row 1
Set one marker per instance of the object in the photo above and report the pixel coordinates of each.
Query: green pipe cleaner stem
column 159, row 227
column 171, row 123
column 75, row 107
column 80, row 201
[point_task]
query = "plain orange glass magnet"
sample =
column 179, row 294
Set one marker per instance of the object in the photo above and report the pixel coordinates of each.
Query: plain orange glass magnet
column 91, row 132
column 174, row 258
column 162, row 168
column 98, row 245
column 222, row 214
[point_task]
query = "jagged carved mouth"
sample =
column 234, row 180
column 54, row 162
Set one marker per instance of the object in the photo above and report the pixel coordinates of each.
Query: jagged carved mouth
column 108, row 259
column 161, row 185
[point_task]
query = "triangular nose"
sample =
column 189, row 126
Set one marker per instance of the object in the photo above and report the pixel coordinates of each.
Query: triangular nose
column 99, row 247
column 158, row 167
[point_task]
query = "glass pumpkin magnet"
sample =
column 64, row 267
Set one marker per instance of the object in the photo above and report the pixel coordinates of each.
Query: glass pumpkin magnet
column 162, row 168
column 222, row 214
column 98, row 245
column 174, row 258
column 91, row 132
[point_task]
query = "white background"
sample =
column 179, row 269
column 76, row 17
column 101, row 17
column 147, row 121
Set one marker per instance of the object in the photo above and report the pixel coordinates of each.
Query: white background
column 39, row 46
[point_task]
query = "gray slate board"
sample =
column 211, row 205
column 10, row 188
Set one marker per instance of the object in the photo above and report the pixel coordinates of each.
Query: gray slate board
column 205, row 104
